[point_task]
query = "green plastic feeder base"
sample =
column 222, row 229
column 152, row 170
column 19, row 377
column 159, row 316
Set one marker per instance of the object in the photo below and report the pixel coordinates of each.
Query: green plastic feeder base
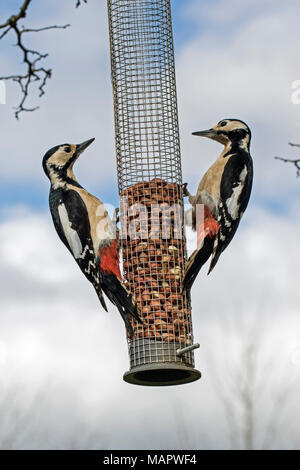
column 161, row 374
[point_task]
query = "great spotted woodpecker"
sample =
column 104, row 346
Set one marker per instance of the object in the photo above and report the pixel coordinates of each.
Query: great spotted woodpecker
column 223, row 194
column 84, row 226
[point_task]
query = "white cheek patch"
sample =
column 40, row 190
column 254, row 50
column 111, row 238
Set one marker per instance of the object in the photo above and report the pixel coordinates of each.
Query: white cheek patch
column 56, row 181
column 71, row 234
column 233, row 125
column 232, row 201
column 60, row 158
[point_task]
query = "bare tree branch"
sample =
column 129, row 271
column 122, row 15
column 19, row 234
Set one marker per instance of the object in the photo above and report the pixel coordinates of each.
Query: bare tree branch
column 15, row 18
column 252, row 392
column 79, row 3
column 294, row 145
column 295, row 162
column 32, row 59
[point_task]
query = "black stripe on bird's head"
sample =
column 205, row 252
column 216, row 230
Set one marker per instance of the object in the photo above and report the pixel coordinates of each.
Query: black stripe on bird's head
column 61, row 158
column 229, row 131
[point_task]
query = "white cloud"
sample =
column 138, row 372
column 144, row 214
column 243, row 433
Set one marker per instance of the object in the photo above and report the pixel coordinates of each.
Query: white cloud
column 64, row 356
column 78, row 100
column 61, row 356
column 244, row 69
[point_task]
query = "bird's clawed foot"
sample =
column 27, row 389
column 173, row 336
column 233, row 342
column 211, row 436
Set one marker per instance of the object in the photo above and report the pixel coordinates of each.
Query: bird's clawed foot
column 185, row 191
column 116, row 218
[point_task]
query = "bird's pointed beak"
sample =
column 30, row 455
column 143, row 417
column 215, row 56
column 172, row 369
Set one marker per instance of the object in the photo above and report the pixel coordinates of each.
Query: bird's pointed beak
column 81, row 147
column 210, row 133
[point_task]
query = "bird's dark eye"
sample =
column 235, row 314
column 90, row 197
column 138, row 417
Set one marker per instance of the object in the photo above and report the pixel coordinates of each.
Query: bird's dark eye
column 67, row 149
column 223, row 123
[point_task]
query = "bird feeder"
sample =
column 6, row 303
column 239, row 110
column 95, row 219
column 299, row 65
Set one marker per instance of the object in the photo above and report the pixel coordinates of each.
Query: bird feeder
column 150, row 189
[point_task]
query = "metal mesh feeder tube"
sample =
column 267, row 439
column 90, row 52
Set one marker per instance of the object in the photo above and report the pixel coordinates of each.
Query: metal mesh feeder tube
column 150, row 189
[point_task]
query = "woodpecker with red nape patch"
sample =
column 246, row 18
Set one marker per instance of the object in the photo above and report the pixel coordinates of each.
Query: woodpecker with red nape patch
column 84, row 226
column 223, row 193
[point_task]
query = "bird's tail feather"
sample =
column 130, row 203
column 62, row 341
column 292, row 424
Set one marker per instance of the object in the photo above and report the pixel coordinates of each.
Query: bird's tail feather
column 101, row 298
column 214, row 260
column 123, row 300
column 195, row 263
column 124, row 315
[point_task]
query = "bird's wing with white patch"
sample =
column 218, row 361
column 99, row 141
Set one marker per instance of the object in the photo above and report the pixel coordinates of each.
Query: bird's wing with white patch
column 236, row 186
column 74, row 218
column 71, row 234
column 235, row 192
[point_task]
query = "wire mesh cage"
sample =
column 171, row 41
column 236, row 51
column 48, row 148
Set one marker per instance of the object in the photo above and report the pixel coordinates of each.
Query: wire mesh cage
column 150, row 189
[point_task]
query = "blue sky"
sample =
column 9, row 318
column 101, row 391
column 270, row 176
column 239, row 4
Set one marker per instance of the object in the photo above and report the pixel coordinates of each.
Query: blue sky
column 233, row 59
column 85, row 85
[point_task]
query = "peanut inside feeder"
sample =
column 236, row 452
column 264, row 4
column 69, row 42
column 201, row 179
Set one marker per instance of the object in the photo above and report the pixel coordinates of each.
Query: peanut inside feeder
column 153, row 260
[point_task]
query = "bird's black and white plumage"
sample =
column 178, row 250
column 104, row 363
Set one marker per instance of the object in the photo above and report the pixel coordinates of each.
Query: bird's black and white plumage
column 84, row 226
column 222, row 195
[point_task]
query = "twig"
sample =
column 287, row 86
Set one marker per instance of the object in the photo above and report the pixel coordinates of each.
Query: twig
column 27, row 30
column 294, row 145
column 295, row 162
column 31, row 58
column 15, row 18
column 79, row 3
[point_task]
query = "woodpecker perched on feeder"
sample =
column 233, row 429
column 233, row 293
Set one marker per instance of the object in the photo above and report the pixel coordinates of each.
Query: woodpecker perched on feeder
column 84, row 226
column 223, row 195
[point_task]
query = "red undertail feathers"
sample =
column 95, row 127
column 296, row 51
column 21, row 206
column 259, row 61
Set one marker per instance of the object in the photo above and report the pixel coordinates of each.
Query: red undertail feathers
column 110, row 260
